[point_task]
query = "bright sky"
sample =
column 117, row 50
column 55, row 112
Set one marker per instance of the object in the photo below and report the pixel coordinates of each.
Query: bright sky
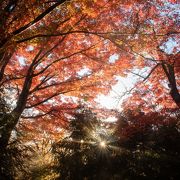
column 114, row 99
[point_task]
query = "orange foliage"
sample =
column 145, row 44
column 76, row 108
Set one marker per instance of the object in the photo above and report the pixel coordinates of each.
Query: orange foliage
column 63, row 48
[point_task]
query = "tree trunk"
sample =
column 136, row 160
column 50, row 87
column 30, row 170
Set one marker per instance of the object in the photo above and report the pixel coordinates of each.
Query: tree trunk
column 4, row 60
column 170, row 73
column 8, row 122
column 175, row 95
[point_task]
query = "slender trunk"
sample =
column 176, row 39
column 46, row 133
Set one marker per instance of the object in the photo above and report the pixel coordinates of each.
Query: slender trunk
column 6, row 38
column 4, row 60
column 175, row 96
column 5, row 134
column 8, row 122
column 169, row 71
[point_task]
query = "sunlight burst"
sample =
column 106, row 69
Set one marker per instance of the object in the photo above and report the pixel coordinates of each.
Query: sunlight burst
column 102, row 144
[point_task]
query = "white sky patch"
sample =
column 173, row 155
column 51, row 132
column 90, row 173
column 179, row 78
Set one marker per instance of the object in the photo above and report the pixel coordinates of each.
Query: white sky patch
column 30, row 48
column 170, row 9
column 22, row 60
column 106, row 101
column 84, row 71
column 10, row 97
column 118, row 93
column 110, row 119
column 39, row 66
column 51, row 101
column 67, row 99
column 142, row 72
column 50, row 55
column 31, row 112
column 169, row 46
column 113, row 58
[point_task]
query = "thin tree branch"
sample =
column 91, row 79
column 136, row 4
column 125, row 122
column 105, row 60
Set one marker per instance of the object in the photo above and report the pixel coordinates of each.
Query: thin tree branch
column 37, row 116
column 92, row 33
column 46, row 99
column 57, row 60
column 38, row 18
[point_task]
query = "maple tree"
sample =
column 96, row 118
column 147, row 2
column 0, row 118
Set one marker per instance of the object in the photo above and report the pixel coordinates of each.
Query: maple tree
column 66, row 43
column 41, row 67
column 84, row 151
column 151, row 53
column 51, row 51
column 139, row 145
column 152, row 139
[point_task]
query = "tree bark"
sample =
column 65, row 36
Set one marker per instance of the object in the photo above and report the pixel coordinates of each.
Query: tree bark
column 169, row 71
column 6, row 38
column 8, row 122
column 175, row 96
column 4, row 60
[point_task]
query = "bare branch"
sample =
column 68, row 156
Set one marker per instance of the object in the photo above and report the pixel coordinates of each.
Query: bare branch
column 94, row 58
column 92, row 33
column 66, row 57
column 38, row 18
column 44, row 80
column 149, row 74
column 46, row 99
column 152, row 70
column 137, row 74
column 11, row 78
column 48, row 52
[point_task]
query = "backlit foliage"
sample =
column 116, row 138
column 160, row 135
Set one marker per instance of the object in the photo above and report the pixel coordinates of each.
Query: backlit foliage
column 55, row 54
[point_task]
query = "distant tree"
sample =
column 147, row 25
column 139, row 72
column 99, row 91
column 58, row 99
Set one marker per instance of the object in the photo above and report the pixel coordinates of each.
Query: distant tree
column 153, row 143
column 85, row 153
